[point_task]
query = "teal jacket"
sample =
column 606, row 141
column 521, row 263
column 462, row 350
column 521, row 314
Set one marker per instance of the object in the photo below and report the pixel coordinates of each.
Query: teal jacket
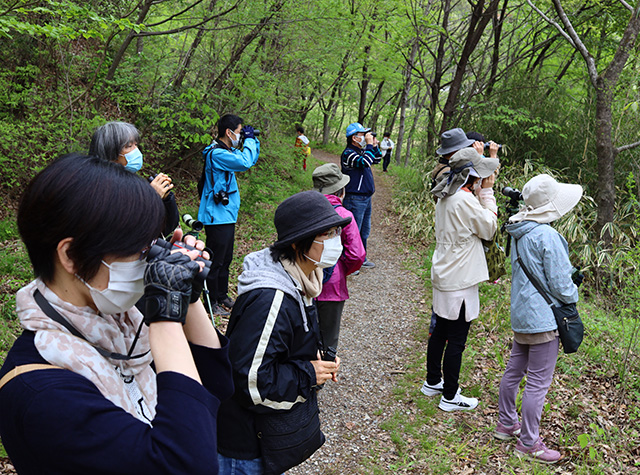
column 220, row 166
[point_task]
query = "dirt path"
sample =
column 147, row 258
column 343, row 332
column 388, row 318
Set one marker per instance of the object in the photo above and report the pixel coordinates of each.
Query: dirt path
column 375, row 334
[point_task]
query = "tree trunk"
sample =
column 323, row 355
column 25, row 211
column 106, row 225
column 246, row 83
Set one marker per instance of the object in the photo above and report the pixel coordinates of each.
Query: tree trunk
column 404, row 99
column 364, row 85
column 186, row 62
column 606, row 194
column 477, row 25
column 117, row 59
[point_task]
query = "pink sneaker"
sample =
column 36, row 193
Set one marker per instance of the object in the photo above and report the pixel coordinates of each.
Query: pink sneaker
column 538, row 451
column 503, row 432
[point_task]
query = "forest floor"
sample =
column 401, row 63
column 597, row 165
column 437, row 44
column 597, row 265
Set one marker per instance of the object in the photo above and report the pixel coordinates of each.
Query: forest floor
column 375, row 338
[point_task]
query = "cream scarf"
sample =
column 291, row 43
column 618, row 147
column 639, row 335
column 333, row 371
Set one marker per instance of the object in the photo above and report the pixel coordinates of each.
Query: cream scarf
column 114, row 333
column 311, row 286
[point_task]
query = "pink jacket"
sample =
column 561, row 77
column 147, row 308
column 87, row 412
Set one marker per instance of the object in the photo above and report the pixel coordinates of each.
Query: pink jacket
column 351, row 260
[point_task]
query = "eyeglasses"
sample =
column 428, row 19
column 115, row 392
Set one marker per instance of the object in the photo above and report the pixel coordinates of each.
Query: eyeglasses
column 332, row 233
column 146, row 249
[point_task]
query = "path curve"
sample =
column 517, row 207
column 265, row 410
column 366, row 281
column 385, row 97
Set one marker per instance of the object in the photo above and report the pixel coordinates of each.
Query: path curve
column 375, row 336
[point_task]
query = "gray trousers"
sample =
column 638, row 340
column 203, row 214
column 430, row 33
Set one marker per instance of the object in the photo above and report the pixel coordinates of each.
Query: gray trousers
column 538, row 362
column 329, row 315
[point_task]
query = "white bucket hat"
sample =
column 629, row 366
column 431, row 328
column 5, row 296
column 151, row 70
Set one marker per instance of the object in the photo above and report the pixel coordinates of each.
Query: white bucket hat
column 547, row 200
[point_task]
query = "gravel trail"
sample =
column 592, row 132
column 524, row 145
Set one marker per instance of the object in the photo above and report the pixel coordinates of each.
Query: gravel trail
column 375, row 336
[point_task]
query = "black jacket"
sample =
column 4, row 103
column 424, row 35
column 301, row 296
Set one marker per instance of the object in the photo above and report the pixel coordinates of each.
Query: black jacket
column 273, row 338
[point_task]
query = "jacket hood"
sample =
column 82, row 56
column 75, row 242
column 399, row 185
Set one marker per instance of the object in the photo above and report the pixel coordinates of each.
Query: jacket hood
column 260, row 272
column 517, row 230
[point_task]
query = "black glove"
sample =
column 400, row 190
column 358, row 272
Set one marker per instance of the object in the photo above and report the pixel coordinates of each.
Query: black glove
column 167, row 288
column 577, row 276
column 248, row 133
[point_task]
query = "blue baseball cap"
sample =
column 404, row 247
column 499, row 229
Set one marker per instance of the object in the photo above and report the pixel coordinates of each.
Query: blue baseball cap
column 355, row 128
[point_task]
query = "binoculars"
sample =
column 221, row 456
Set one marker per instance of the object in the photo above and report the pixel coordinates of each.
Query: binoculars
column 193, row 223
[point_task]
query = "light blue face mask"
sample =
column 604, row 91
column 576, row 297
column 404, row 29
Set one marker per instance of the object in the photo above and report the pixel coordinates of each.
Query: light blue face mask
column 134, row 160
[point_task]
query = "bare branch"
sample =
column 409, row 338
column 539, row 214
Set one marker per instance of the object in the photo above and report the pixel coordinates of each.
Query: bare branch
column 175, row 15
column 552, row 22
column 628, row 146
column 186, row 27
column 627, row 6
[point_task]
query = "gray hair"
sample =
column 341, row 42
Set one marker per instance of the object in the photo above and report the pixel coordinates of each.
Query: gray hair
column 109, row 140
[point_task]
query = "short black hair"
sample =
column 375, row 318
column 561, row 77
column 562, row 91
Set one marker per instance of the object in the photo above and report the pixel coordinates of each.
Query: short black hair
column 103, row 207
column 228, row 121
column 289, row 253
column 386, row 134
column 109, row 139
column 300, row 129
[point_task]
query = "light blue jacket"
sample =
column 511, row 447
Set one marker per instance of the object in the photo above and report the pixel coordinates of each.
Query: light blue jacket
column 546, row 255
column 219, row 170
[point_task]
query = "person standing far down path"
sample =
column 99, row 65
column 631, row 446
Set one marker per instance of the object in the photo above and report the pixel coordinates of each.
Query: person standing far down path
column 328, row 179
column 466, row 213
column 302, row 146
column 220, row 200
column 358, row 157
column 386, row 147
column 118, row 142
column 271, row 423
column 545, row 254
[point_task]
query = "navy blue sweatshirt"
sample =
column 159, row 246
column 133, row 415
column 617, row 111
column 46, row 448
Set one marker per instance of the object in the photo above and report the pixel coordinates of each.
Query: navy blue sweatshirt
column 356, row 163
column 57, row 422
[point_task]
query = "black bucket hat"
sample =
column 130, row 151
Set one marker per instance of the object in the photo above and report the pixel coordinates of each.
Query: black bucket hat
column 303, row 215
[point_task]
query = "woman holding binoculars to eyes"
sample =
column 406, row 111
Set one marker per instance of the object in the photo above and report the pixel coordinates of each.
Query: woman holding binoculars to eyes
column 118, row 142
column 92, row 386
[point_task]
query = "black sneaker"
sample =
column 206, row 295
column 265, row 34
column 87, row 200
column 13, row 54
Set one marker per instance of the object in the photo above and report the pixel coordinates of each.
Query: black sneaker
column 227, row 302
column 219, row 310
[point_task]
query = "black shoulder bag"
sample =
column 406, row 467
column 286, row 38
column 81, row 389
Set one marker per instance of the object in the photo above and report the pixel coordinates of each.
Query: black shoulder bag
column 570, row 326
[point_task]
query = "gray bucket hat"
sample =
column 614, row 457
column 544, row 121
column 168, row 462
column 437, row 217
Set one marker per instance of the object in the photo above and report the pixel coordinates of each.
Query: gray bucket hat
column 452, row 141
column 328, row 178
column 464, row 162
column 303, row 215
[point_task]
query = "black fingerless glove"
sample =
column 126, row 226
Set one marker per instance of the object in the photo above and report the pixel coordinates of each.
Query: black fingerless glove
column 167, row 288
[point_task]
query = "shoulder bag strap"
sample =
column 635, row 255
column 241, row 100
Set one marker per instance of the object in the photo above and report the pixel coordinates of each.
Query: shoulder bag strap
column 532, row 278
column 25, row 368
column 51, row 312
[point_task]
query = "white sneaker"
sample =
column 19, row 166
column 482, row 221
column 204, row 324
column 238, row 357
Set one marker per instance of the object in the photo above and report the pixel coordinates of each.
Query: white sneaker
column 458, row 403
column 429, row 390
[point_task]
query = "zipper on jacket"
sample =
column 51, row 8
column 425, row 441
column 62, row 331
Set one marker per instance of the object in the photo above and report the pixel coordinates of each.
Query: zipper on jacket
column 360, row 182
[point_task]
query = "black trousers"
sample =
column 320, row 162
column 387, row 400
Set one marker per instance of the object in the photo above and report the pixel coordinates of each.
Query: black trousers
column 449, row 338
column 220, row 238
column 386, row 160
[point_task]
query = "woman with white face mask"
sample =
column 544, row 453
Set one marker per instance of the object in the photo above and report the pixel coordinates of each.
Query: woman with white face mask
column 466, row 213
column 275, row 341
column 78, row 387
column 118, row 142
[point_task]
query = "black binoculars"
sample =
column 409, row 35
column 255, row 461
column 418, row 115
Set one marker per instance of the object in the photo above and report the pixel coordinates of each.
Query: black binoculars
column 193, row 223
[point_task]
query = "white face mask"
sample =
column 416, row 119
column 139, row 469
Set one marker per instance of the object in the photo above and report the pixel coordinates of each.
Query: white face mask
column 235, row 142
column 125, row 287
column 362, row 142
column 331, row 252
